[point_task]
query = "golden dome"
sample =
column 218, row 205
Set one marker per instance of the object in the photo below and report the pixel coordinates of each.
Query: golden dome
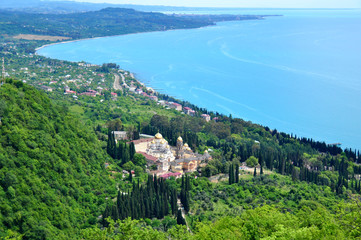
column 206, row 151
column 163, row 141
column 186, row 145
column 153, row 142
column 180, row 139
column 158, row 136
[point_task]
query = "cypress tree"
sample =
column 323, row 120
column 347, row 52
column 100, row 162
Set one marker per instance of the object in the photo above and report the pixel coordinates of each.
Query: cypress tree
column 180, row 219
column 230, row 174
column 261, row 172
column 109, row 142
column 115, row 212
column 188, row 184
column 294, row 176
column 237, row 173
column 106, row 213
column 131, row 150
column 255, row 172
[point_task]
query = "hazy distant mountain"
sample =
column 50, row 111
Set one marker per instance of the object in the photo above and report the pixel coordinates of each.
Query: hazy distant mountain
column 48, row 6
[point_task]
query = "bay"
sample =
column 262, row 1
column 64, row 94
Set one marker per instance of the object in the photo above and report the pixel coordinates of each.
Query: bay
column 299, row 73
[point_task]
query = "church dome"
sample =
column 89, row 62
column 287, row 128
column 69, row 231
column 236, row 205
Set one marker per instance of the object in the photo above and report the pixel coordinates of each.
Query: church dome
column 158, row 136
column 180, row 139
column 186, row 145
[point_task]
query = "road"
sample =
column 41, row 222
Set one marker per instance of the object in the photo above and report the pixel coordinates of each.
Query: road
column 116, row 84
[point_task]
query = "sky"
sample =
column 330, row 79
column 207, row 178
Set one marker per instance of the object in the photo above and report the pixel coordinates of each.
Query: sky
column 242, row 3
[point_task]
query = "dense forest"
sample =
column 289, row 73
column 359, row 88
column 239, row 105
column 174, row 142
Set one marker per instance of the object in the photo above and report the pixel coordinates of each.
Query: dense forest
column 52, row 175
column 105, row 22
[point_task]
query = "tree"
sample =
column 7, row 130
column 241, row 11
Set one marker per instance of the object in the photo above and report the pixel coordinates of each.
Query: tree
column 255, row 172
column 252, row 161
column 128, row 166
column 131, row 150
column 237, row 173
column 230, row 174
column 139, row 160
column 180, row 219
column 115, row 125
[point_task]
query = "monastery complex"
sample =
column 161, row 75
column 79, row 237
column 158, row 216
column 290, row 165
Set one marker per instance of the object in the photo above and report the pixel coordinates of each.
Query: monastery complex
column 178, row 159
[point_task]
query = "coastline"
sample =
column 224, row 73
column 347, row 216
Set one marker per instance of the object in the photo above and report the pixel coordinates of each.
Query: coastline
column 263, row 17
column 126, row 34
column 164, row 90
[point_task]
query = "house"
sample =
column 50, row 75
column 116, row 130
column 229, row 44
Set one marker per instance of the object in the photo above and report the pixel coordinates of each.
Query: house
column 154, row 98
column 46, row 88
column 120, row 135
column 145, row 94
column 114, row 95
column 91, row 93
column 186, row 110
column 162, row 102
column 139, row 91
column 69, row 92
column 206, row 117
column 88, row 94
column 189, row 111
column 192, row 113
column 175, row 106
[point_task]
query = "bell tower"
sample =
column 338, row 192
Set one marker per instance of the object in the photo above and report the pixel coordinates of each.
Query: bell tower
column 179, row 148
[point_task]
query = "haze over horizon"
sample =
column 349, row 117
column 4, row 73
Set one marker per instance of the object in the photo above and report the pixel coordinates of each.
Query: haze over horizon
column 239, row 3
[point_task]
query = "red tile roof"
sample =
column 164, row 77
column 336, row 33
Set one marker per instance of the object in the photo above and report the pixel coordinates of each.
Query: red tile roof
column 167, row 175
column 148, row 157
column 142, row 140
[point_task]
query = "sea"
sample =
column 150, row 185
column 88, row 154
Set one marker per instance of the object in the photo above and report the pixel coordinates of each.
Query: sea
column 299, row 73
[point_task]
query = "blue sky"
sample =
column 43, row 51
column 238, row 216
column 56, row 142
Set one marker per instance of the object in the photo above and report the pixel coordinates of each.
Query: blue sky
column 242, row 3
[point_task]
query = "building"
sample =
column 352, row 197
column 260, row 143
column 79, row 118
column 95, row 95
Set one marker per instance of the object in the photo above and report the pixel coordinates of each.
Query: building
column 206, row 117
column 168, row 175
column 175, row 106
column 189, row 111
column 120, row 135
column 69, row 92
column 154, row 98
column 176, row 159
column 162, row 103
column 114, row 95
column 46, row 88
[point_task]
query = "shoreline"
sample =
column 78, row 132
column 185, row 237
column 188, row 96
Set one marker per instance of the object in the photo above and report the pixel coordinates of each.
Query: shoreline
column 163, row 91
column 126, row 34
column 263, row 17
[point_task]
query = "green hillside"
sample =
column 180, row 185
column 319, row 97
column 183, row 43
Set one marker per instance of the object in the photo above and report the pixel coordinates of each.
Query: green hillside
column 105, row 22
column 52, row 176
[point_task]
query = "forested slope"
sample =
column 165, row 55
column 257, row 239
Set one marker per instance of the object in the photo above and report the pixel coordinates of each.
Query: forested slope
column 106, row 22
column 52, row 176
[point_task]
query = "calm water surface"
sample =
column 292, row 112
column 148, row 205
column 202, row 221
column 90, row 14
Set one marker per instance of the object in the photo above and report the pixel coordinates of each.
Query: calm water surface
column 299, row 73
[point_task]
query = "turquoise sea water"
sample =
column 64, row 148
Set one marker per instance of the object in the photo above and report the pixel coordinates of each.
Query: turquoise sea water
column 299, row 73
